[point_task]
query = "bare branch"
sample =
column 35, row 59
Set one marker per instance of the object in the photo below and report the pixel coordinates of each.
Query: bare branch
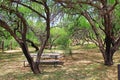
column 37, row 2
column 69, row 2
column 31, row 9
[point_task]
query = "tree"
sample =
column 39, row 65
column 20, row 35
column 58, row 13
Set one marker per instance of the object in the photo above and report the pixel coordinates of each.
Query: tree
column 101, row 14
column 14, row 21
column 2, row 36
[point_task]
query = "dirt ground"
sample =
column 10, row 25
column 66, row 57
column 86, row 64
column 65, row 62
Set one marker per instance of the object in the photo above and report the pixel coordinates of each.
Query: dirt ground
column 82, row 65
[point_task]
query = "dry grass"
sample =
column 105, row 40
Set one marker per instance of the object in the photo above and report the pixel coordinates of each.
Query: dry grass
column 84, row 65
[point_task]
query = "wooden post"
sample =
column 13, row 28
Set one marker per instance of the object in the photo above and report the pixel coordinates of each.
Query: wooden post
column 118, row 71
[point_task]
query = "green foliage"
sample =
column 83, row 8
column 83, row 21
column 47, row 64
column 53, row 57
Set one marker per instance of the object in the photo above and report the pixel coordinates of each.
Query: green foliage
column 63, row 39
column 116, row 24
column 75, row 23
column 83, row 22
column 111, row 1
column 31, row 36
column 10, row 43
column 24, row 10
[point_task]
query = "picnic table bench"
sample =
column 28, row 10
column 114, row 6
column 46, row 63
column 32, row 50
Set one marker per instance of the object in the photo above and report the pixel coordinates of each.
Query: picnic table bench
column 48, row 59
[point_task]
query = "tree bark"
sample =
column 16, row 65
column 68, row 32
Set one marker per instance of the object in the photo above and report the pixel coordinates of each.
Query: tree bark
column 108, row 53
column 32, row 44
column 2, row 45
column 109, row 59
column 33, row 65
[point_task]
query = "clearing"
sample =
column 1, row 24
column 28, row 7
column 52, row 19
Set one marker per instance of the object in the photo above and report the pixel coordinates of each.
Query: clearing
column 83, row 65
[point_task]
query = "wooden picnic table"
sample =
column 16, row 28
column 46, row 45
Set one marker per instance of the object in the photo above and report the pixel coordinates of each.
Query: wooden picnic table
column 48, row 55
column 48, row 59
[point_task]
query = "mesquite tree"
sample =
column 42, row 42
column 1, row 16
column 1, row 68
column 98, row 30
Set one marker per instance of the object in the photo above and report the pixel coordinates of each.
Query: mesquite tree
column 102, row 16
column 14, row 21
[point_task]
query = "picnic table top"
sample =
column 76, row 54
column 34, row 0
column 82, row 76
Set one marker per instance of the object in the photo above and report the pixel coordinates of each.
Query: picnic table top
column 46, row 54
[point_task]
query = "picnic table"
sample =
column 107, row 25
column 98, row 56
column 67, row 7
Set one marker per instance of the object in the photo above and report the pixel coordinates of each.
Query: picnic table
column 48, row 55
column 48, row 59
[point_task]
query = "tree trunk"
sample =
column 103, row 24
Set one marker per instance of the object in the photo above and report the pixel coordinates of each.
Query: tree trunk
column 33, row 65
column 2, row 45
column 108, row 57
column 108, row 60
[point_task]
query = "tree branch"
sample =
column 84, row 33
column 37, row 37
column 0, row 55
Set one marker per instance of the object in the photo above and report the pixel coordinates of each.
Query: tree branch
column 31, row 9
column 32, row 44
column 7, row 27
column 112, row 7
column 18, row 14
column 89, row 2
column 37, row 2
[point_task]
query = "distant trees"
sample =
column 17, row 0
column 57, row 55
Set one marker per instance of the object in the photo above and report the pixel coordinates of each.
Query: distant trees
column 77, row 28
